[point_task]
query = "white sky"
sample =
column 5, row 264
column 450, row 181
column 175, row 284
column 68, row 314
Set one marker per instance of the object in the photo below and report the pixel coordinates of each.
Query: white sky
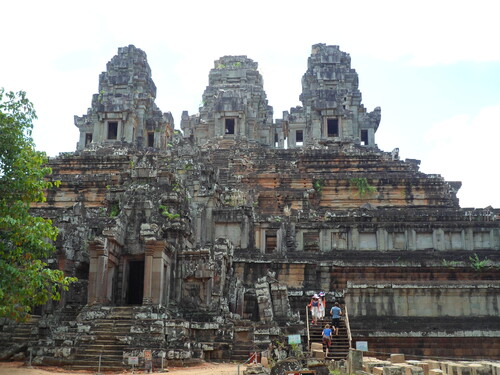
column 433, row 66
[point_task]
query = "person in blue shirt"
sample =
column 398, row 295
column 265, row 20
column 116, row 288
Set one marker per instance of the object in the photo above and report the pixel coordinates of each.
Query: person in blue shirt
column 327, row 337
column 336, row 312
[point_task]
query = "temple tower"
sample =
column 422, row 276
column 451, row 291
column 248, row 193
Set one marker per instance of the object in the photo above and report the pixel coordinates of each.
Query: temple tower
column 124, row 109
column 332, row 109
column 234, row 105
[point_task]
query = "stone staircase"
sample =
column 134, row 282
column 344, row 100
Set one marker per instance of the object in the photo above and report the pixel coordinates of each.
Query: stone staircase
column 243, row 341
column 16, row 338
column 241, row 351
column 106, row 340
column 340, row 344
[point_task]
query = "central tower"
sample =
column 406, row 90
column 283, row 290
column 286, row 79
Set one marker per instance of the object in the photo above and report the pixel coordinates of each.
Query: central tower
column 234, row 105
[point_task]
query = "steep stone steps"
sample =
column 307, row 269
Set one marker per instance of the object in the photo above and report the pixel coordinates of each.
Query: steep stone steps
column 339, row 349
column 16, row 338
column 106, row 341
column 241, row 351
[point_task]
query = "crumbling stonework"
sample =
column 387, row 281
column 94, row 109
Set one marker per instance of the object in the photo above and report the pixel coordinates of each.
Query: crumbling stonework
column 209, row 244
column 234, row 105
column 124, row 109
column 332, row 108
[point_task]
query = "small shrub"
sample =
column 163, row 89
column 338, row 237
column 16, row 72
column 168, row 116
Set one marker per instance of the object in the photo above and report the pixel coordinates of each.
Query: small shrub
column 478, row 264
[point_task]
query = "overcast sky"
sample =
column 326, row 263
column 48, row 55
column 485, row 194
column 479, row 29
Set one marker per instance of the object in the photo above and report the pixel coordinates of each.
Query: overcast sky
column 433, row 66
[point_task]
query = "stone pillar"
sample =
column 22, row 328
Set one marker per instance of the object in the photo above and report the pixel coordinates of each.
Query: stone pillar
column 438, row 239
column 469, row 239
column 102, row 279
column 371, row 137
column 381, row 239
column 98, row 272
column 245, row 232
column 140, row 126
column 355, row 361
column 354, row 239
column 148, row 276
column 412, row 239
column 154, row 272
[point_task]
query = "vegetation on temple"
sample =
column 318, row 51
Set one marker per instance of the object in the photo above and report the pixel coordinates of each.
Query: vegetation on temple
column 25, row 240
column 363, row 187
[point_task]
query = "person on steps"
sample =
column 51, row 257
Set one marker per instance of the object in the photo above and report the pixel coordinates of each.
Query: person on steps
column 336, row 312
column 327, row 338
column 314, row 307
column 322, row 306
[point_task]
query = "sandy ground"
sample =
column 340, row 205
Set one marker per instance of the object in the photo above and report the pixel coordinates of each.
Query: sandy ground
column 18, row 368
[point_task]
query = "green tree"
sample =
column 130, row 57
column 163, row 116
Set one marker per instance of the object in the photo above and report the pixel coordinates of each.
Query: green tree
column 25, row 240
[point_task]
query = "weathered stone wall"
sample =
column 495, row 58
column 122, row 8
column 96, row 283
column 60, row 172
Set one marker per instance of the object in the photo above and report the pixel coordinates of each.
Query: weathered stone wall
column 423, row 299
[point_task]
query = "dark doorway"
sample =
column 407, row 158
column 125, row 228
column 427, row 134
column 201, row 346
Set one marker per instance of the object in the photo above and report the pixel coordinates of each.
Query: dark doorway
column 332, row 127
column 112, row 130
column 88, row 139
column 151, row 139
column 229, row 125
column 364, row 137
column 135, row 282
column 251, row 306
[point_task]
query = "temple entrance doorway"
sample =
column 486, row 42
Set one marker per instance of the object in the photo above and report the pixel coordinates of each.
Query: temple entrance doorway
column 135, row 288
column 251, row 306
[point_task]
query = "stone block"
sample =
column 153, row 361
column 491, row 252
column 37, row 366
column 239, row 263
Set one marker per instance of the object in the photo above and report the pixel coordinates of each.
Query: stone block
column 318, row 354
column 464, row 369
column 355, row 360
column 425, row 367
column 316, row 346
column 83, row 329
column 433, row 364
column 377, row 370
column 436, row 371
column 479, row 369
column 397, row 358
column 414, row 370
column 394, row 370
column 370, row 365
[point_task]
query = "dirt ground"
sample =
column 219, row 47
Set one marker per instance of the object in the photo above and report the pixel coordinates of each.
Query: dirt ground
column 18, row 368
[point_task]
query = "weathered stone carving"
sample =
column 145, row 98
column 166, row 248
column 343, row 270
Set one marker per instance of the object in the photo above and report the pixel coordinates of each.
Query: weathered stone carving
column 234, row 105
column 332, row 109
column 124, row 109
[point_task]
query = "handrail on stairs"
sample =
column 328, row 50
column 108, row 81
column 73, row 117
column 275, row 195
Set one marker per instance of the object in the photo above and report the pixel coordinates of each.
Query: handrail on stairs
column 348, row 326
column 307, row 325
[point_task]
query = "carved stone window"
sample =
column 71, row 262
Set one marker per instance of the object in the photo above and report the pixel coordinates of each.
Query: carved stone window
column 112, row 129
column 229, row 126
column 88, row 139
column 271, row 241
column 364, row 137
column 151, row 139
column 332, row 127
column 299, row 136
column 311, row 241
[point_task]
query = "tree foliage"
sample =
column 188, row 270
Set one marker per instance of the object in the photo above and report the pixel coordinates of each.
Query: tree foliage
column 25, row 240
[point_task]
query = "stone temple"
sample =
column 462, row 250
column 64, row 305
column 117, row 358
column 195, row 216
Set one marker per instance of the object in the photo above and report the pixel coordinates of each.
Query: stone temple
column 209, row 243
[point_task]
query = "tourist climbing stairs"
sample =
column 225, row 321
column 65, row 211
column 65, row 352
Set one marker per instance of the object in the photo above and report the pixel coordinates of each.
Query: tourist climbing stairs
column 102, row 348
column 339, row 348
